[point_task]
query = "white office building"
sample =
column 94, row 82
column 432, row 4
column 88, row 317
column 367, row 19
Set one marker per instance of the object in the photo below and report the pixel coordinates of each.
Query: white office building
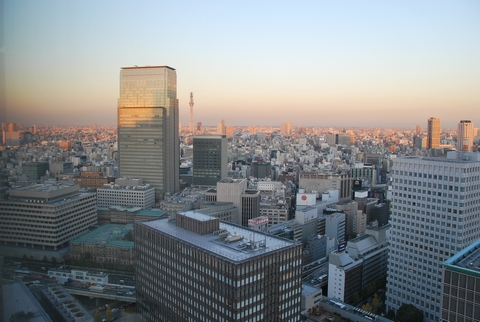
column 126, row 192
column 435, row 214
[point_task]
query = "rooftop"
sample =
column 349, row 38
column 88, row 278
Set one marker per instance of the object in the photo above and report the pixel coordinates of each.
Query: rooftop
column 241, row 244
column 107, row 235
column 466, row 261
column 144, row 67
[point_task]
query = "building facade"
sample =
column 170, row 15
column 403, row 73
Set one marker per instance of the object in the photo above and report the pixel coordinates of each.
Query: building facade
column 435, row 211
column 199, row 269
column 433, row 133
column 210, row 159
column 465, row 136
column 461, row 286
column 148, row 139
column 121, row 193
column 45, row 217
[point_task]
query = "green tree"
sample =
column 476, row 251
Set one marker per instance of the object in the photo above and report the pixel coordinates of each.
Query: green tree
column 376, row 301
column 109, row 313
column 25, row 257
column 54, row 261
column 45, row 259
column 98, row 316
column 409, row 313
column 356, row 298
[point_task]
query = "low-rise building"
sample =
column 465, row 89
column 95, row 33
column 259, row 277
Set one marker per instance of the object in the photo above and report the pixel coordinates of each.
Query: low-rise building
column 108, row 244
column 126, row 192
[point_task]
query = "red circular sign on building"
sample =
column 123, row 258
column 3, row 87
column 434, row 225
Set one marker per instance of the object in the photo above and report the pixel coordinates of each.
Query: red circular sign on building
column 304, row 197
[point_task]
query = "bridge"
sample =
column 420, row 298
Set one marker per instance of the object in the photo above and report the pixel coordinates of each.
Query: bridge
column 107, row 295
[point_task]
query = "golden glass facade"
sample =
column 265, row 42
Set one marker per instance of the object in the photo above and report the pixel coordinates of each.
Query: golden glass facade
column 148, row 141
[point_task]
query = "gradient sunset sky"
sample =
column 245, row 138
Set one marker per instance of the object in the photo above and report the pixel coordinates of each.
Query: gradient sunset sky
column 313, row 63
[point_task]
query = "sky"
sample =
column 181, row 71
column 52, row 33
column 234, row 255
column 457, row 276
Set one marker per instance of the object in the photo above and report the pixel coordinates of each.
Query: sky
column 312, row 63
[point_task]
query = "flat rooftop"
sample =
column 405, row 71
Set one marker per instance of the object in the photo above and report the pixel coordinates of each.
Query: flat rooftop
column 108, row 235
column 466, row 261
column 238, row 250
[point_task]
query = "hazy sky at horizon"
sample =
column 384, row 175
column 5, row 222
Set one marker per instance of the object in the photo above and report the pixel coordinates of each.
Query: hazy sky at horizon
column 314, row 63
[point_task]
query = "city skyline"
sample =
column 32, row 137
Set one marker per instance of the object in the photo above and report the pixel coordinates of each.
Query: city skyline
column 320, row 64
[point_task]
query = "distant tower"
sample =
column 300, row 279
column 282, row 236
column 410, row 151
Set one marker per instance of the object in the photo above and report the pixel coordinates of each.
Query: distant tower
column 418, row 130
column 433, row 133
column 192, row 128
column 465, row 136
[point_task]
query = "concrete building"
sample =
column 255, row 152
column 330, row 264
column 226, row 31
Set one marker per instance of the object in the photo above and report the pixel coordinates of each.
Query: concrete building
column 435, row 211
column 461, row 285
column 433, row 133
column 465, row 136
column 335, row 226
column 92, row 180
column 126, row 215
column 231, row 190
column 109, row 244
column 210, row 159
column 39, row 220
column 250, row 205
column 126, row 192
column 198, row 268
column 344, row 276
column 148, row 139
column 321, row 182
column 372, row 249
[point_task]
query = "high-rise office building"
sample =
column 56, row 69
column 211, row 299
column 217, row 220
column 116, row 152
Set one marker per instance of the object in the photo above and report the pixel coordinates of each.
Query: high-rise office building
column 148, row 139
column 210, row 159
column 465, row 136
column 433, row 133
column 197, row 268
column 435, row 211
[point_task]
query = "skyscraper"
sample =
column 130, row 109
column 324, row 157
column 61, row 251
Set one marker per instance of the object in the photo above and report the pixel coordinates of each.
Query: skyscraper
column 148, row 140
column 433, row 133
column 435, row 211
column 465, row 136
column 210, row 159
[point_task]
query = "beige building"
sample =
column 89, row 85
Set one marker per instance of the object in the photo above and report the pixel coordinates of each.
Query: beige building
column 44, row 218
column 321, row 182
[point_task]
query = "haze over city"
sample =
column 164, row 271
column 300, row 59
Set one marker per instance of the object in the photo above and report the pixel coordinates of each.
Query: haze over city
column 352, row 64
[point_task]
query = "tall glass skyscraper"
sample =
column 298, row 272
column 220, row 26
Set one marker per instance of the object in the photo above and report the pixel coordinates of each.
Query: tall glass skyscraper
column 148, row 139
column 435, row 214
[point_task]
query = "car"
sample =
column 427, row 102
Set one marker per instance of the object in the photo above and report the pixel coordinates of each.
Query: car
column 129, row 293
column 119, row 293
column 36, row 282
column 43, row 268
column 115, row 309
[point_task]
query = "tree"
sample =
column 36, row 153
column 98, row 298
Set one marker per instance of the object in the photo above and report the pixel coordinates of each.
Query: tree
column 109, row 313
column 367, row 307
column 409, row 313
column 356, row 298
column 98, row 316
column 54, row 261
column 376, row 301
column 25, row 257
column 45, row 259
